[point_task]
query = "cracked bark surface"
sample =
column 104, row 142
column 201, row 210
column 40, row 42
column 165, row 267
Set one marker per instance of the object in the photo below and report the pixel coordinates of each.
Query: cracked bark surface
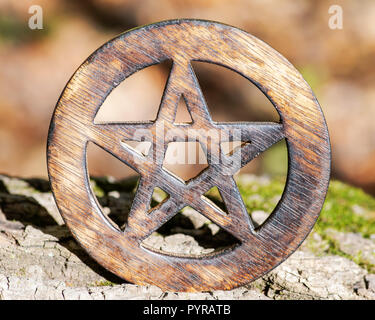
column 39, row 259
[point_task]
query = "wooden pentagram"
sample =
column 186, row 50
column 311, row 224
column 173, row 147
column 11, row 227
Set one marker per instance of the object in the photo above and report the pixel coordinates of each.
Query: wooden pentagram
column 302, row 125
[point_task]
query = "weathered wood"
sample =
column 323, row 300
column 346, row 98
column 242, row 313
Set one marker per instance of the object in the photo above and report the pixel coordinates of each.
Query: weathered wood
column 301, row 123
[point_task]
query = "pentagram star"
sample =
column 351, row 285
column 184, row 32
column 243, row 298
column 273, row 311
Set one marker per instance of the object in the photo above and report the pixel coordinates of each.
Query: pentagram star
column 182, row 82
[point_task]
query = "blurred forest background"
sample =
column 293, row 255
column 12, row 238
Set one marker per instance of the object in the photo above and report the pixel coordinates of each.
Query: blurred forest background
column 338, row 64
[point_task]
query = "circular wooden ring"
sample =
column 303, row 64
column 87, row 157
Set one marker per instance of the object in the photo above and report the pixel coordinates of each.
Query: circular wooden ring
column 302, row 124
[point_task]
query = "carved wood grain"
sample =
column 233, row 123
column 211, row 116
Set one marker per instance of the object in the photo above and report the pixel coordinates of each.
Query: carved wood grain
column 301, row 124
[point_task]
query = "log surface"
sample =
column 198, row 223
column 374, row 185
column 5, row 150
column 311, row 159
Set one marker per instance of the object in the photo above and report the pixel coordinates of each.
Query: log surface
column 39, row 259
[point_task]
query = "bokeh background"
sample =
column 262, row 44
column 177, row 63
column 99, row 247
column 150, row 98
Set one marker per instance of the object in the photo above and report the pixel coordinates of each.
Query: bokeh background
column 338, row 64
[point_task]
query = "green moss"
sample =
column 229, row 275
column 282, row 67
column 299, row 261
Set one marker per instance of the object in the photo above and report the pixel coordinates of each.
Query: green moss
column 104, row 283
column 346, row 209
column 333, row 248
column 262, row 196
column 338, row 210
column 358, row 259
column 98, row 191
column 22, row 272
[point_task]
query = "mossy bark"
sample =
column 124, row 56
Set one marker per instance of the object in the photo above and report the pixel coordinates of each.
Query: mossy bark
column 39, row 259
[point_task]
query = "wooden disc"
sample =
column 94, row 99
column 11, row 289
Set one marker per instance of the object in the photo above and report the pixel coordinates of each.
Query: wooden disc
column 260, row 249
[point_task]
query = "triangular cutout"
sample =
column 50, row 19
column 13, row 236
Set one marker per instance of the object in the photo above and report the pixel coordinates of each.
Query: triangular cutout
column 128, row 101
column 214, row 197
column 141, row 147
column 113, row 183
column 230, row 147
column 190, row 234
column 158, row 197
column 183, row 115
